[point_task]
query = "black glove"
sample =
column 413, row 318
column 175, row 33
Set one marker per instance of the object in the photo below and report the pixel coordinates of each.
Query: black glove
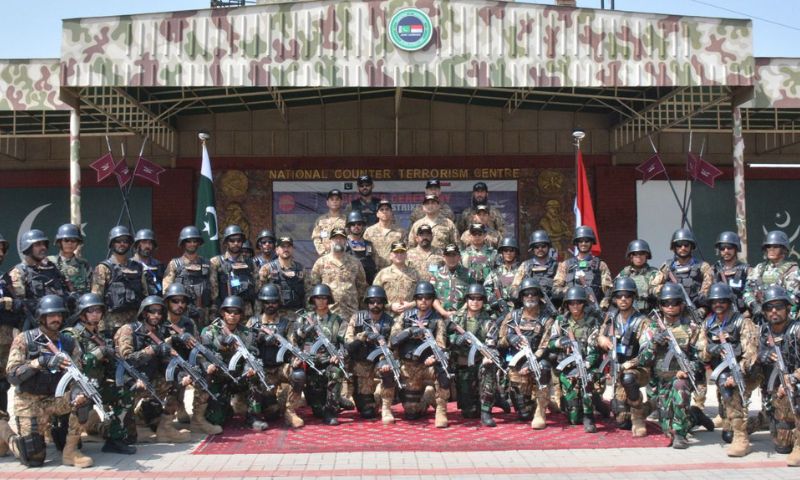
column 417, row 332
column 184, row 338
column 163, row 350
column 227, row 341
column 459, row 340
column 714, row 349
column 374, row 337
column 53, row 362
column 517, row 341
column 564, row 342
column 661, row 338
column 763, row 356
column 108, row 351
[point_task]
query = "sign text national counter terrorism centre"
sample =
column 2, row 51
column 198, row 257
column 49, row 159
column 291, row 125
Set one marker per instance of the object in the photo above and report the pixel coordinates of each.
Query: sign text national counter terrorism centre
column 395, row 174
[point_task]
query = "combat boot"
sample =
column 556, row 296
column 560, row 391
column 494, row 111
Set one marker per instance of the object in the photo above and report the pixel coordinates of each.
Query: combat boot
column 255, row 424
column 697, row 417
column 166, row 433
column 72, row 455
column 539, row 416
column 118, row 446
column 291, row 418
column 441, row 413
column 183, row 415
column 679, row 442
column 740, row 446
column 199, row 424
column 386, row 411
column 486, row 415
column 638, row 416
column 329, row 418
column 793, row 460
column 588, row 424
column 599, row 405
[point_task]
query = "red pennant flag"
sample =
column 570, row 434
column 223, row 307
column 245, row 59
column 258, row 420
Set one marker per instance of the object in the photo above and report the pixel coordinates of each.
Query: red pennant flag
column 692, row 164
column 706, row 172
column 584, row 212
column 148, row 170
column 123, row 173
column 104, row 166
column 651, row 168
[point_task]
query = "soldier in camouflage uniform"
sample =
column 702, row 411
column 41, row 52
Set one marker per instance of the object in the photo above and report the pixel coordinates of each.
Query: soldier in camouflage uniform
column 384, row 233
column 480, row 196
column 541, row 266
column 584, row 269
column 529, row 326
column 288, row 275
column 783, row 332
column 481, row 216
column 76, row 270
column 475, row 384
column 642, row 273
column 418, row 372
column 235, row 274
column 583, row 324
column 729, row 269
column 629, row 326
column 365, row 203
column 10, row 318
column 146, row 345
column 342, row 273
column 325, row 223
column 265, row 243
column 194, row 273
column 684, row 268
column 432, row 187
column 144, row 245
column 443, row 229
column 99, row 363
column 398, row 281
column 36, row 364
column 423, row 258
column 741, row 334
column 323, row 391
column 119, row 281
column 248, row 252
column 365, row 330
column 776, row 269
column 478, row 257
column 356, row 246
column 498, row 283
column 451, row 282
column 286, row 373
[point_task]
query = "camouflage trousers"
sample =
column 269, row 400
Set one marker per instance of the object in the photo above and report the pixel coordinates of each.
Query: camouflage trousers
column 120, row 400
column 323, row 392
column 785, row 423
column 112, row 321
column 219, row 411
column 730, row 404
column 33, row 412
column 475, row 387
column 416, row 376
column 620, row 404
column 577, row 399
column 6, row 337
column 673, row 398
column 148, row 408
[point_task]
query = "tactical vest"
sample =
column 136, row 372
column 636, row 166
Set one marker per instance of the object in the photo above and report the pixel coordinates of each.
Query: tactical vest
column 42, row 280
column 363, row 321
column 269, row 352
column 690, row 276
column 543, row 273
column 367, row 259
column 154, row 275
column 591, row 274
column 406, row 349
column 777, row 275
column 236, row 278
column 142, row 340
column 640, row 278
column 43, row 382
column 195, row 277
column 291, row 284
column 733, row 330
column 737, row 281
column 368, row 210
column 532, row 330
column 185, row 324
column 124, row 291
column 91, row 367
column 787, row 342
column 627, row 334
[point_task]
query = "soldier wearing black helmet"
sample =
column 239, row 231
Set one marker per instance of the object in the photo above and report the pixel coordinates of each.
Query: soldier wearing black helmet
column 499, row 283
column 418, row 372
column 325, row 223
column 265, row 248
column 629, row 327
column 729, row 269
column 365, row 330
column 542, row 265
column 36, row 365
column 776, row 269
column 728, row 325
column 684, row 268
column 288, row 275
column 235, row 273
column 638, row 269
column 193, row 272
column 356, row 246
column 144, row 246
column 779, row 330
column 584, row 269
column 480, row 196
column 120, row 281
column 283, row 370
column 75, row 268
column 529, row 326
column 366, row 203
column 384, row 233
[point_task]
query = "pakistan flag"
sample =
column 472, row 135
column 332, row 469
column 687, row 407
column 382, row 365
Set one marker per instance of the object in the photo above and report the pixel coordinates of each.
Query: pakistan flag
column 206, row 213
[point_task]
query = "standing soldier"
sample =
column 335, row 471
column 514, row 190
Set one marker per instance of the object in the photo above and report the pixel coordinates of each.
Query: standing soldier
column 99, row 364
column 10, row 318
column 480, row 196
column 384, row 233
column 443, row 229
column 365, row 202
column 424, row 258
column 775, row 270
column 451, row 282
column 36, row 365
column 417, row 372
column 265, row 245
column 584, row 269
column 342, row 273
column 542, row 266
column 727, row 327
column 326, row 222
column 144, row 245
column 432, row 187
column 287, row 372
column 478, row 257
column 642, row 273
column 365, row 330
column 475, row 384
column 194, row 273
column 398, row 281
column 686, row 270
column 146, row 345
column 362, row 249
column 119, row 281
column 628, row 327
column 323, row 391
column 76, row 270
column 235, row 274
column 248, row 252
column 482, row 217
column 528, row 329
column 781, row 336
column 498, row 283
column 288, row 275
column 729, row 269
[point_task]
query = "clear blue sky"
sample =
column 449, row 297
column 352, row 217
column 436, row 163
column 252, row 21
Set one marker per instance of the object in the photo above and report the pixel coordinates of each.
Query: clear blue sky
column 32, row 28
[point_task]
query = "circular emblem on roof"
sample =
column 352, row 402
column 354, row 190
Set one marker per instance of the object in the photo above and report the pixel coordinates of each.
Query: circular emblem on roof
column 410, row 29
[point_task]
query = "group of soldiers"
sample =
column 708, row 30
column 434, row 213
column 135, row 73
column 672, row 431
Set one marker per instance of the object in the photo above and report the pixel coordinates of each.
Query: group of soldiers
column 386, row 316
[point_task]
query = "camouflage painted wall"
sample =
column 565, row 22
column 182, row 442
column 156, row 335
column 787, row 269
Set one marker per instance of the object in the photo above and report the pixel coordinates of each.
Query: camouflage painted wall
column 30, row 85
column 778, row 84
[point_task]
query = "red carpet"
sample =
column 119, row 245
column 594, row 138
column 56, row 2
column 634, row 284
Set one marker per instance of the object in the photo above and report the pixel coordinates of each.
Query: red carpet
column 354, row 434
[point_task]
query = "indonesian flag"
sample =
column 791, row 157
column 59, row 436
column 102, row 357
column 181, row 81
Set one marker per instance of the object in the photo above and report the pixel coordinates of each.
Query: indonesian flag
column 416, row 28
column 584, row 212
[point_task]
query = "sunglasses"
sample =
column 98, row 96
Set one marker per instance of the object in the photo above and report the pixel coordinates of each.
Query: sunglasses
column 154, row 311
column 69, row 240
column 475, row 299
column 424, row 297
column 682, row 244
column 178, row 300
column 574, row 302
column 623, row 295
column 727, row 247
column 541, row 245
column 773, row 306
column 530, row 294
column 375, row 301
column 193, row 240
column 670, row 303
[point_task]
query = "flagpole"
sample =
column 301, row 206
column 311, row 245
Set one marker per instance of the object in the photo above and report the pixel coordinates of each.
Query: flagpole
column 577, row 135
column 672, row 187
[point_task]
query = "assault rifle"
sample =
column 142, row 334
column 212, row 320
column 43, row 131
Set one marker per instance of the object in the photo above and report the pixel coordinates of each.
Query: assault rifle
column 287, row 346
column 178, row 362
column 200, row 349
column 430, row 342
column 250, row 361
column 577, row 358
column 779, row 371
column 73, row 374
column 324, row 341
column 729, row 363
column 526, row 353
column 478, row 346
column 690, row 306
column 384, row 350
column 676, row 352
column 611, row 360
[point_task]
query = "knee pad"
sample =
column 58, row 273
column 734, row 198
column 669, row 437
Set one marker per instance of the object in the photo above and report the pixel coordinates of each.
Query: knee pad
column 387, row 380
column 631, row 385
column 297, row 380
column 151, row 410
column 411, row 396
column 725, row 392
column 547, row 371
column 32, row 449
